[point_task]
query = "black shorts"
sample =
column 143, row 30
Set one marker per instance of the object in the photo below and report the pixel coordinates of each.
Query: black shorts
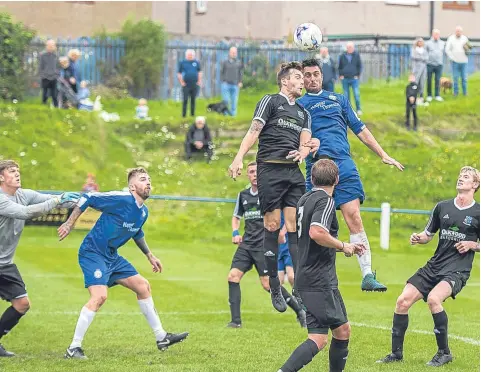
column 280, row 185
column 324, row 310
column 425, row 279
column 244, row 259
column 11, row 283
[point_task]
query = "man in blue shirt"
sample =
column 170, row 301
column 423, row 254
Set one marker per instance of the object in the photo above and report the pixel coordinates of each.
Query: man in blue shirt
column 122, row 219
column 190, row 77
column 331, row 115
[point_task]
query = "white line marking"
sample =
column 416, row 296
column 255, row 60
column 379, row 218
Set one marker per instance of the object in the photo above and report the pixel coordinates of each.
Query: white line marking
column 466, row 340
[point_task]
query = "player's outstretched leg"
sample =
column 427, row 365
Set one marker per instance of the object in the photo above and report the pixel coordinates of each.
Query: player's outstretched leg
column 304, row 353
column 338, row 350
column 10, row 319
column 294, row 305
column 233, row 279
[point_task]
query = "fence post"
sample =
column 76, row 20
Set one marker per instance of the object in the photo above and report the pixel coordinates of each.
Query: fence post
column 385, row 225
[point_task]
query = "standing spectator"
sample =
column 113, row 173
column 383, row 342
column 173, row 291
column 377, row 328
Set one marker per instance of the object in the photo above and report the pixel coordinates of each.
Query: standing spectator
column 419, row 60
column 190, row 77
column 328, row 66
column 68, row 97
column 48, row 71
column 75, row 79
column 457, row 46
column 411, row 95
column 435, row 49
column 198, row 139
column 231, row 77
column 350, row 67
column 90, row 185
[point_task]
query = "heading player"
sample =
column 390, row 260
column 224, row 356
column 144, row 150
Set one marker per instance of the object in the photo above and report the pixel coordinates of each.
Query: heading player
column 123, row 216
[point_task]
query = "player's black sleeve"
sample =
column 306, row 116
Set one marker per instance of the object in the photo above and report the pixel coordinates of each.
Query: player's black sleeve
column 263, row 109
column 307, row 121
column 433, row 224
column 239, row 208
column 324, row 213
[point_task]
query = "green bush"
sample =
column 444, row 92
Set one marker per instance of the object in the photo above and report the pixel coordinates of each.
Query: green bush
column 14, row 41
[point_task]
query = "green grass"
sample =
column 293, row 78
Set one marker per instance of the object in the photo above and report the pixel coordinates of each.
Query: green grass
column 193, row 240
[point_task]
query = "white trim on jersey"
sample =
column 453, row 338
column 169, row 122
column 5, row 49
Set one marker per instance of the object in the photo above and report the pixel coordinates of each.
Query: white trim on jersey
column 287, row 99
column 426, row 229
column 315, row 94
column 463, row 208
column 236, row 208
column 320, row 225
column 327, row 212
column 262, row 107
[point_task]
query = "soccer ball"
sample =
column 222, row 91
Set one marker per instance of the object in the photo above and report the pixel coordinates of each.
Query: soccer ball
column 308, row 36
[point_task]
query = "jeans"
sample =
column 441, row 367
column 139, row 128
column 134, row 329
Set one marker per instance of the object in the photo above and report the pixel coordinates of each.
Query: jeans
column 438, row 71
column 329, row 86
column 459, row 71
column 230, row 95
column 354, row 83
column 189, row 91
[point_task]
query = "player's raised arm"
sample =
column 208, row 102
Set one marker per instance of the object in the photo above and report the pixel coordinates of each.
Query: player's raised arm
column 236, row 218
column 368, row 139
column 154, row 261
column 248, row 141
column 68, row 225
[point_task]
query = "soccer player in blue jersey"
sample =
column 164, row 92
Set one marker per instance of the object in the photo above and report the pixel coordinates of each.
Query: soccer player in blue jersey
column 122, row 219
column 331, row 116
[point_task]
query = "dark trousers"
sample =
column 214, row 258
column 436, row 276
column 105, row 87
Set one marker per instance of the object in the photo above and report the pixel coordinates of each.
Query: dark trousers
column 190, row 149
column 437, row 71
column 409, row 108
column 189, row 91
column 49, row 88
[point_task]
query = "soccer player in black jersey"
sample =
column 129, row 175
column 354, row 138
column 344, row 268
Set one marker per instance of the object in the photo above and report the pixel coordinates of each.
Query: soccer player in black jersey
column 316, row 279
column 447, row 272
column 283, row 128
column 250, row 252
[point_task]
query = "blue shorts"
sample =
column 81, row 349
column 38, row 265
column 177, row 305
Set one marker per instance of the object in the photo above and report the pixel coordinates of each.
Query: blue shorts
column 284, row 258
column 349, row 187
column 98, row 271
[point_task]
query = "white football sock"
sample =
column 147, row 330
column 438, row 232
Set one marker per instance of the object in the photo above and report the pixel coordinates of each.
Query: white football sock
column 85, row 319
column 365, row 259
column 148, row 309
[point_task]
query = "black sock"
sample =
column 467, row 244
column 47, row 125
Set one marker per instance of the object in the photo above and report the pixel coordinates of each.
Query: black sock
column 304, row 353
column 9, row 320
column 271, row 252
column 441, row 330
column 290, row 300
column 292, row 239
column 234, row 302
column 338, row 355
column 399, row 326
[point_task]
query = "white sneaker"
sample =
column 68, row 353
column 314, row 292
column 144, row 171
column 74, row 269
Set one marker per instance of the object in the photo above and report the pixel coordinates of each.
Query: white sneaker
column 429, row 98
column 359, row 112
column 439, row 99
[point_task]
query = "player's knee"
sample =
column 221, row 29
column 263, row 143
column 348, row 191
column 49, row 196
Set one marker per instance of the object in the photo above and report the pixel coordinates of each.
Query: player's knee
column 22, row 305
column 354, row 219
column 403, row 304
column 433, row 301
column 144, row 288
column 234, row 277
column 99, row 299
column 273, row 225
column 343, row 332
column 320, row 340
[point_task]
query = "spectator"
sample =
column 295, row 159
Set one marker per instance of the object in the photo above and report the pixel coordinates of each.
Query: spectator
column 90, row 185
column 411, row 95
column 83, row 97
column 190, row 77
column 198, row 139
column 350, row 67
column 231, row 77
column 142, row 110
column 48, row 71
column 328, row 70
column 457, row 46
column 419, row 60
column 73, row 56
column 68, row 97
column 435, row 49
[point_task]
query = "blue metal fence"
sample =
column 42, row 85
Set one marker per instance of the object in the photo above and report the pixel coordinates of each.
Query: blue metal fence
column 381, row 61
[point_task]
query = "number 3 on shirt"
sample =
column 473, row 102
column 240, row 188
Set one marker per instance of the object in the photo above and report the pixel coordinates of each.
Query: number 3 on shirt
column 300, row 213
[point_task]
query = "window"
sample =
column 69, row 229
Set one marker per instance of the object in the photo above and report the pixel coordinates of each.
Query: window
column 458, row 5
column 402, row 2
column 201, row 7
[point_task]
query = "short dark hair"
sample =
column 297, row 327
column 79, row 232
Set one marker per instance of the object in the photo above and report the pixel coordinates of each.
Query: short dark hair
column 251, row 164
column 285, row 70
column 5, row 164
column 312, row 62
column 324, row 173
column 135, row 171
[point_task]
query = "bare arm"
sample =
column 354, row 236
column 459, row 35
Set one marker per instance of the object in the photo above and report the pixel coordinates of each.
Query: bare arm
column 11, row 209
column 181, row 80
column 421, row 238
column 235, row 223
column 154, row 261
column 368, row 139
column 142, row 244
column 303, row 148
column 199, row 78
column 249, row 140
column 68, row 225
column 323, row 238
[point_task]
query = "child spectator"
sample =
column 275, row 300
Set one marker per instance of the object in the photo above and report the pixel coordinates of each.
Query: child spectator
column 411, row 95
column 83, row 96
column 90, row 185
column 142, row 110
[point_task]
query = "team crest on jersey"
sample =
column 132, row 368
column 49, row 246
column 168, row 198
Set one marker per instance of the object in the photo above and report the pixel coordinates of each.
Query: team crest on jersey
column 468, row 220
column 415, row 87
column 334, row 98
column 301, row 114
column 97, row 274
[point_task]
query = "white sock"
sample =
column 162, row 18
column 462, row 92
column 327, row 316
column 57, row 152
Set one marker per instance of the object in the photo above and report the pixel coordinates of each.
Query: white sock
column 84, row 320
column 365, row 259
column 148, row 309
